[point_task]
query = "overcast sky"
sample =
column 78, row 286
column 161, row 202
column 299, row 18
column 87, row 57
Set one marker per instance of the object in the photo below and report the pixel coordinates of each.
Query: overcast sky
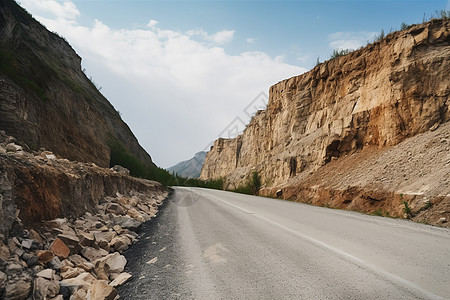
column 184, row 72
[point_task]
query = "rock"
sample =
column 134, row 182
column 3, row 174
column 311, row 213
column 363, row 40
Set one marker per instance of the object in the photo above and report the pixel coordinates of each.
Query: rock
column 71, row 272
column 30, row 244
column 3, row 279
column 114, row 208
column 18, row 290
column 83, row 280
column 104, row 236
column 86, row 239
column 279, row 193
column 152, row 261
column 92, row 254
column 59, row 248
column 118, row 229
column 13, row 269
column 112, row 263
column 45, row 289
column 442, row 220
column 120, row 243
column 435, row 126
column 121, row 170
column 127, row 222
column 55, row 263
column 11, row 147
column 136, row 215
column 33, row 260
column 120, row 279
column 45, row 256
column 47, row 274
column 72, row 242
column 4, row 252
column 100, row 290
column 58, row 297
column 35, row 236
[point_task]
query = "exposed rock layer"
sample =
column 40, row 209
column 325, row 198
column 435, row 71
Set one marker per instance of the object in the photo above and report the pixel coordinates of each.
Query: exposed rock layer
column 47, row 101
column 373, row 97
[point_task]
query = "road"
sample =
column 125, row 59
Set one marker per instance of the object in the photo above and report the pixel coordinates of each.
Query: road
column 212, row 244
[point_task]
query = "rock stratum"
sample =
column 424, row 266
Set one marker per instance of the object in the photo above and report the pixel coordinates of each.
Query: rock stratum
column 47, row 101
column 366, row 131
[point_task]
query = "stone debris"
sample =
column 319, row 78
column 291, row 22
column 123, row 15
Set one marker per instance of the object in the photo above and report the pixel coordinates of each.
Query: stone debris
column 74, row 258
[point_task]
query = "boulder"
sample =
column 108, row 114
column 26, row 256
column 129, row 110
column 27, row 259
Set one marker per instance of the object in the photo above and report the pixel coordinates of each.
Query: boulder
column 47, row 274
column 121, row 170
column 92, row 254
column 45, row 256
column 18, row 290
column 60, row 248
column 72, row 242
column 114, row 208
column 127, row 223
column 100, row 290
column 11, row 147
column 45, row 289
column 71, row 272
column 120, row 243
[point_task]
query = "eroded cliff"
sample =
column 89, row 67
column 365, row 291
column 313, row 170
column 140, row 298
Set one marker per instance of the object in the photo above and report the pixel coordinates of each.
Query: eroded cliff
column 47, row 101
column 372, row 98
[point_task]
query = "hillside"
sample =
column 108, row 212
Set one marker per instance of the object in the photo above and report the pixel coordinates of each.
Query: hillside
column 358, row 105
column 190, row 168
column 46, row 101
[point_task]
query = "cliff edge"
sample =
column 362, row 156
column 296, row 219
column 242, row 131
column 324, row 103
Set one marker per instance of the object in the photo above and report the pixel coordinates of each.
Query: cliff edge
column 362, row 104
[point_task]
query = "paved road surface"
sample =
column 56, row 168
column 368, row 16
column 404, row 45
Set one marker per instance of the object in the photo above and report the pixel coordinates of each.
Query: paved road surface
column 219, row 245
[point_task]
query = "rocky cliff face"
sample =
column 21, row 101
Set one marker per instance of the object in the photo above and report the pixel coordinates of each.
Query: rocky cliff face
column 375, row 97
column 47, row 101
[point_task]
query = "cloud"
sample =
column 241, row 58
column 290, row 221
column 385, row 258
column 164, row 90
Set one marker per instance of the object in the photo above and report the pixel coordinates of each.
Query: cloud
column 350, row 40
column 219, row 38
column 176, row 92
column 152, row 23
column 250, row 40
column 61, row 10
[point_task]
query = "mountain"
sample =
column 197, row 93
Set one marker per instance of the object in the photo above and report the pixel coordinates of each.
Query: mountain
column 46, row 101
column 337, row 135
column 189, row 168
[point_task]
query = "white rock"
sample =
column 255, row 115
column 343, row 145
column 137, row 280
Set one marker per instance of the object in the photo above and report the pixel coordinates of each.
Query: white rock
column 47, row 274
column 120, row 279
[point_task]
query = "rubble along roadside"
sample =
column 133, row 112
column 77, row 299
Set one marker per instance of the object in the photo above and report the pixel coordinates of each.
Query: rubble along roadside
column 73, row 257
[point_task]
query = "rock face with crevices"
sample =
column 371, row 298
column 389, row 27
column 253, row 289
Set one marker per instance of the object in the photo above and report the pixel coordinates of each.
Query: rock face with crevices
column 375, row 97
column 47, row 101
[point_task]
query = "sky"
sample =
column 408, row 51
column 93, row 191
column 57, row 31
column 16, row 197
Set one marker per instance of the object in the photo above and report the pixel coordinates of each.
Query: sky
column 183, row 73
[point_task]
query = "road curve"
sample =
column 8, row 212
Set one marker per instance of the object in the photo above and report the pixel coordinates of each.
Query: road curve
column 224, row 245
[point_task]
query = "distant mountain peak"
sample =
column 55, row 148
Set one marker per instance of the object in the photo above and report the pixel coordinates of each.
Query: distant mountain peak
column 190, row 168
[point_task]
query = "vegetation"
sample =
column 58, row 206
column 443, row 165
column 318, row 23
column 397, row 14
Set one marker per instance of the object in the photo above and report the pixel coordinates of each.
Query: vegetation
column 407, row 210
column 120, row 156
column 403, row 26
column 378, row 212
column 216, row 184
column 252, row 186
column 380, row 36
column 31, row 78
column 339, row 52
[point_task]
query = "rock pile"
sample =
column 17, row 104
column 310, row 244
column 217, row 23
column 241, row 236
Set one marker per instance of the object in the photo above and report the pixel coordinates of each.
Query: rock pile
column 75, row 258
column 64, row 225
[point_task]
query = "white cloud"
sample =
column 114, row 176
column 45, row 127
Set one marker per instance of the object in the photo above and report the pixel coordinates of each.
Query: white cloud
column 152, row 23
column 51, row 8
column 176, row 93
column 250, row 40
column 219, row 38
column 350, row 40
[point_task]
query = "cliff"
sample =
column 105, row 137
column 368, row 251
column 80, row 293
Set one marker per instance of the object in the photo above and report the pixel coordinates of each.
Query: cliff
column 47, row 101
column 373, row 98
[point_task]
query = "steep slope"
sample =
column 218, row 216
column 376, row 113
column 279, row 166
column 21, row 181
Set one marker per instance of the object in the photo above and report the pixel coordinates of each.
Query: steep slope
column 372, row 98
column 190, row 168
column 47, row 101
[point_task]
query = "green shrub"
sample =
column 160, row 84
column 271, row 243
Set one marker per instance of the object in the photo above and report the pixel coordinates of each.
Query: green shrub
column 255, row 183
column 339, row 52
column 407, row 210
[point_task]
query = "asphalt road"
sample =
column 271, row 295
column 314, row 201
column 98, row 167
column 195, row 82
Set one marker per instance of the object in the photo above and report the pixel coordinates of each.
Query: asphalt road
column 218, row 245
